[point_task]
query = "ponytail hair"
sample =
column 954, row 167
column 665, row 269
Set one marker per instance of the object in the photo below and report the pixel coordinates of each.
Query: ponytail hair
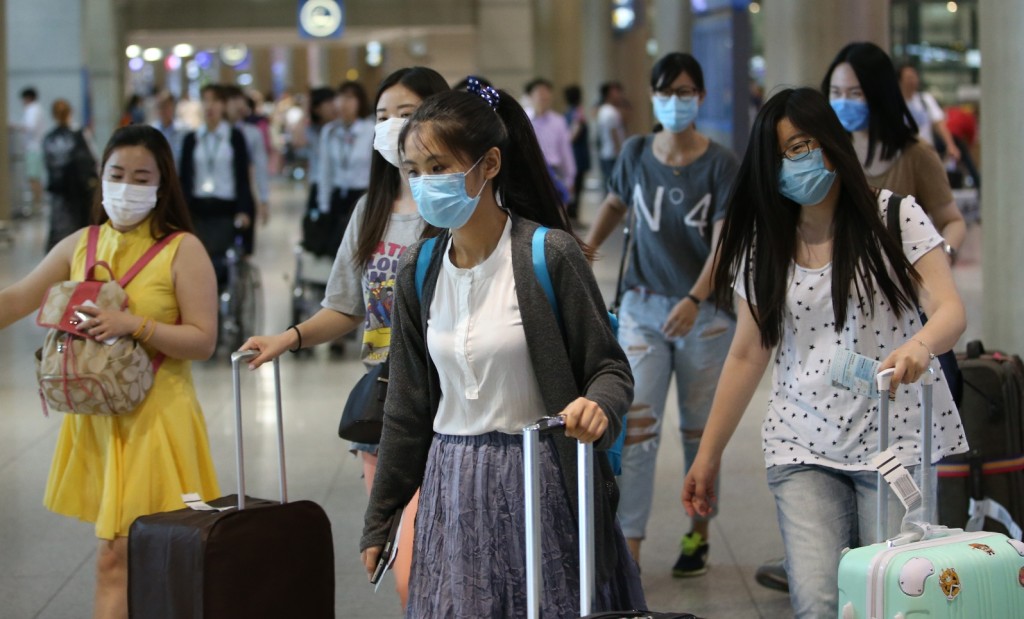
column 468, row 125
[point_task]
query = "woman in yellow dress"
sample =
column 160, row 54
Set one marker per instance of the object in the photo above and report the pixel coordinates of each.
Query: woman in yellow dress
column 111, row 470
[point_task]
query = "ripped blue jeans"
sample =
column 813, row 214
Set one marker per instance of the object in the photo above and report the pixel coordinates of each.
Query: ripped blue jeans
column 696, row 360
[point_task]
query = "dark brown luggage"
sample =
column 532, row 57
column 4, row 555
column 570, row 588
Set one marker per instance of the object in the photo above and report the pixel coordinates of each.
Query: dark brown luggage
column 269, row 560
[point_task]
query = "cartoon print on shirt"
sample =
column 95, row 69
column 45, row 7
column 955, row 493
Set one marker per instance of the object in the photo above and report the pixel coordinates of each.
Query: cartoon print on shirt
column 697, row 217
column 380, row 295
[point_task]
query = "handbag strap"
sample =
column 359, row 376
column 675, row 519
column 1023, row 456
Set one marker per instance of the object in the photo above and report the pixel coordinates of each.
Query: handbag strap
column 146, row 258
column 92, row 242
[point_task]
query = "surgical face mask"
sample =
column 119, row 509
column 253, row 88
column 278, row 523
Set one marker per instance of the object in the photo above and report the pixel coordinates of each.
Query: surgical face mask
column 127, row 205
column 385, row 138
column 806, row 181
column 675, row 113
column 442, row 200
column 852, row 113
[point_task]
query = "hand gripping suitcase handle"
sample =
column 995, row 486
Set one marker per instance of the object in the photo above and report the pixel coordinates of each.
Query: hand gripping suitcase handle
column 237, row 358
column 531, row 473
column 884, row 379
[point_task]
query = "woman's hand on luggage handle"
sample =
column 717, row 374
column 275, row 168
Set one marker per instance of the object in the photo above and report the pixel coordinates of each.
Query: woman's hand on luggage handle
column 584, row 420
column 909, row 362
column 370, row 557
column 699, row 486
column 104, row 324
column 270, row 347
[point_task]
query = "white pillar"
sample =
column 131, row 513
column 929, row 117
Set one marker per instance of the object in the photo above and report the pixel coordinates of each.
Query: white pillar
column 1002, row 89
column 505, row 42
column 801, row 37
column 103, row 59
column 596, row 61
column 671, row 22
column 5, row 163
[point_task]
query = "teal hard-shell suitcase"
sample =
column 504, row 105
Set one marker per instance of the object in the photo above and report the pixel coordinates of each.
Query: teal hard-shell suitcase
column 932, row 572
column 958, row 575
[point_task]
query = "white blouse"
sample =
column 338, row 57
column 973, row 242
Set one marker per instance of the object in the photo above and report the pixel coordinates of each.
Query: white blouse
column 476, row 340
column 810, row 421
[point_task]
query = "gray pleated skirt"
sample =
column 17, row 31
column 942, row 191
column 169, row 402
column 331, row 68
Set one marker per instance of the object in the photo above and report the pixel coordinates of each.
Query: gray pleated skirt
column 469, row 557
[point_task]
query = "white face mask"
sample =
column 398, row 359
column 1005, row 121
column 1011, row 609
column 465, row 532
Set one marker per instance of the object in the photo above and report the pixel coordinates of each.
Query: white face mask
column 127, row 205
column 385, row 138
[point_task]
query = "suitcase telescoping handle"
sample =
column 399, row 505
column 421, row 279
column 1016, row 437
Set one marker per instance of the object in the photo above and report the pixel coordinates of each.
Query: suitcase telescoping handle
column 531, row 473
column 237, row 358
column 884, row 380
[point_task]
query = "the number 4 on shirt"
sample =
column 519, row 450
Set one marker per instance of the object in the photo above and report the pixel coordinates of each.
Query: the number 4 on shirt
column 698, row 215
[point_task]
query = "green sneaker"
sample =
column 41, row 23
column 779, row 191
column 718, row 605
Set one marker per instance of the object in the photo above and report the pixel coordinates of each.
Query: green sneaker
column 693, row 560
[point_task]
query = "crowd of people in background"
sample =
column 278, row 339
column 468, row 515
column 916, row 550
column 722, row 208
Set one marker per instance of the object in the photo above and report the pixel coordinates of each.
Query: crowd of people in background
column 479, row 169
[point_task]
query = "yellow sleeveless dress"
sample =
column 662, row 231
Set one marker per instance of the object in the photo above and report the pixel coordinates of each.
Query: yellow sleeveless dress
column 111, row 470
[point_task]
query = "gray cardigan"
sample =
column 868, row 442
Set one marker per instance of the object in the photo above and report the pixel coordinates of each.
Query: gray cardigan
column 596, row 368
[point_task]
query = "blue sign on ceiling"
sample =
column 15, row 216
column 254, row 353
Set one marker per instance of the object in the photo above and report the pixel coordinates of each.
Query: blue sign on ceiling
column 321, row 19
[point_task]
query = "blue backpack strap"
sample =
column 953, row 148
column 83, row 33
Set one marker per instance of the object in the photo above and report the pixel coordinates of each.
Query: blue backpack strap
column 540, row 269
column 423, row 263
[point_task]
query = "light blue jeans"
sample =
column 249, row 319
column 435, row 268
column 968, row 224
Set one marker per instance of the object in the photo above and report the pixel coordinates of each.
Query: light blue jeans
column 821, row 511
column 696, row 361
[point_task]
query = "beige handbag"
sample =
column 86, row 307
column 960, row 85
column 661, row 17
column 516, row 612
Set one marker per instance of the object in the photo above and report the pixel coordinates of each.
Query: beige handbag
column 78, row 374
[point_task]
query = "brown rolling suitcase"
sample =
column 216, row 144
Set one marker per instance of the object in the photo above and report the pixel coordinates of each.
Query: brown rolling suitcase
column 263, row 559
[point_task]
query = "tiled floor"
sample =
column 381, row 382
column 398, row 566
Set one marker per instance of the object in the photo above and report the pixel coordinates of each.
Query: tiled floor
column 46, row 561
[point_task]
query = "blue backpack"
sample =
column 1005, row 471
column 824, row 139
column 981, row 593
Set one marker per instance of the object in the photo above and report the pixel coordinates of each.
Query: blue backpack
column 540, row 269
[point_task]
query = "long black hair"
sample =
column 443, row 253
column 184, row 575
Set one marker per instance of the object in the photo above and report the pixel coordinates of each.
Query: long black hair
column 759, row 235
column 385, row 179
column 171, row 211
column 467, row 125
column 890, row 122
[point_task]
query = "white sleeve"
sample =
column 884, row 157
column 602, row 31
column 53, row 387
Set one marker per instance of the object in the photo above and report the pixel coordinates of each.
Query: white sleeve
column 918, row 231
column 935, row 113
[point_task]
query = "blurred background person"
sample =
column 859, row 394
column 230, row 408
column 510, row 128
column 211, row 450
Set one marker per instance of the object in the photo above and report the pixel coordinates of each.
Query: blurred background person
column 927, row 113
column 168, row 124
column 611, row 130
column 553, row 136
column 134, row 112
column 346, row 148
column 236, row 112
column 321, row 111
column 33, row 128
column 71, row 177
column 579, row 134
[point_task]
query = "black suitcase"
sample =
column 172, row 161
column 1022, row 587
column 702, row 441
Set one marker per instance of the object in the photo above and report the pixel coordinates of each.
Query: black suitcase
column 263, row 559
column 588, row 572
column 992, row 412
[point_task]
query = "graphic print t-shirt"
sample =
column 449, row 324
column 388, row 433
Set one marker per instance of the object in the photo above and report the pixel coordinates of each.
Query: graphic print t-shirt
column 368, row 289
column 673, row 209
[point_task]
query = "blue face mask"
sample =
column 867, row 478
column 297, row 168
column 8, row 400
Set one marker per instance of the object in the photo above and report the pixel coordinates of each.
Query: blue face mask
column 442, row 200
column 852, row 113
column 806, row 181
column 675, row 113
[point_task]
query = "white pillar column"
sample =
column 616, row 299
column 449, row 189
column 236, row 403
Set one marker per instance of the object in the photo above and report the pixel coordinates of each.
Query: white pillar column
column 801, row 37
column 671, row 22
column 1002, row 89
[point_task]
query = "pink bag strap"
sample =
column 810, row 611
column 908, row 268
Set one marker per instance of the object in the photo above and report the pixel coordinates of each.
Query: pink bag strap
column 146, row 258
column 93, row 237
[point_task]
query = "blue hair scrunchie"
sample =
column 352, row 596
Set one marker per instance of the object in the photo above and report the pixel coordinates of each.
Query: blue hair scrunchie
column 488, row 94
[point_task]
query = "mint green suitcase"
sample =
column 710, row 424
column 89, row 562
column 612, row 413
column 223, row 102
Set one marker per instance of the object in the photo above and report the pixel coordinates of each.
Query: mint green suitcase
column 932, row 572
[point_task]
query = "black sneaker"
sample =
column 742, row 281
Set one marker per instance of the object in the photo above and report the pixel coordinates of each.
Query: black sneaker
column 772, row 574
column 693, row 560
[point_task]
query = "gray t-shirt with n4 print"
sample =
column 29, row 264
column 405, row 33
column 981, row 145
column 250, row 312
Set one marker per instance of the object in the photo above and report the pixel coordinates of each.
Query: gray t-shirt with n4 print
column 674, row 210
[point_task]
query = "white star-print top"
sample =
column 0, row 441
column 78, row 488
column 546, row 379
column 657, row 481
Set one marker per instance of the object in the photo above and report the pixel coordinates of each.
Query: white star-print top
column 810, row 421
